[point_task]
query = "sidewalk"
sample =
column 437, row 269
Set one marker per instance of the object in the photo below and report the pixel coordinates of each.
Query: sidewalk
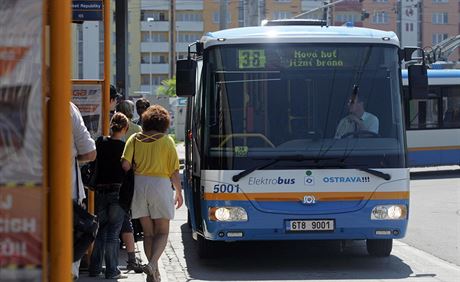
column 132, row 277
column 136, row 277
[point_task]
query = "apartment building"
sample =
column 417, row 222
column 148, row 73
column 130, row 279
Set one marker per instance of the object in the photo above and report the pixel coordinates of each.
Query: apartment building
column 157, row 37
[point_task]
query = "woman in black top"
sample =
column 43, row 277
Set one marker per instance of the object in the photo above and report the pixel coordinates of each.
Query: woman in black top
column 109, row 179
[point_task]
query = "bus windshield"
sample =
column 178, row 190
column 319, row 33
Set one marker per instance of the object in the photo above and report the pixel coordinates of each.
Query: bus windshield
column 335, row 105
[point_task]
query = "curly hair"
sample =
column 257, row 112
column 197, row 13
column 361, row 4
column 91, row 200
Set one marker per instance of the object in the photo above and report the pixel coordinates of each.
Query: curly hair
column 118, row 122
column 156, row 118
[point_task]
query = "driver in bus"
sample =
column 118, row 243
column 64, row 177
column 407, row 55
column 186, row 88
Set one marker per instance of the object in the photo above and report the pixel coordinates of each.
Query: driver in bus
column 358, row 120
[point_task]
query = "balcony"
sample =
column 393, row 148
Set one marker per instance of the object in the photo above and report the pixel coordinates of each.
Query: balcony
column 155, row 26
column 155, row 47
column 154, row 68
column 146, row 88
column 190, row 26
column 182, row 46
column 189, row 5
column 155, row 5
column 308, row 5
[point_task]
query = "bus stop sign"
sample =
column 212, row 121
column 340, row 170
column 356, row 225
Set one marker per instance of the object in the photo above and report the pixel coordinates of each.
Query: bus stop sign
column 87, row 10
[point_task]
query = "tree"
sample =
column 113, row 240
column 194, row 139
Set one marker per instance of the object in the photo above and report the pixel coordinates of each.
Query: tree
column 167, row 87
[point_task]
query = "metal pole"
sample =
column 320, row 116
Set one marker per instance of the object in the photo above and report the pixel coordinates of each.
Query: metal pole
column 121, row 38
column 223, row 14
column 60, row 157
column 106, row 92
column 150, row 61
column 172, row 45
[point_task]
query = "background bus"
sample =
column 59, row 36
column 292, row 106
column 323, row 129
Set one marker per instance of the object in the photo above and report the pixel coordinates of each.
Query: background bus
column 263, row 160
column 433, row 124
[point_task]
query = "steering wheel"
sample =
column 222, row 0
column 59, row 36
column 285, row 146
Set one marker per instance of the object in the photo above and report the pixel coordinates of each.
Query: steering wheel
column 359, row 133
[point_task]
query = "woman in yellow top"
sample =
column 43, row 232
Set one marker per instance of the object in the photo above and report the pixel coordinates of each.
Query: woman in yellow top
column 153, row 155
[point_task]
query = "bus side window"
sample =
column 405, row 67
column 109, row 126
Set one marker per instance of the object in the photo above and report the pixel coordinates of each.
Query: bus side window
column 425, row 113
column 451, row 106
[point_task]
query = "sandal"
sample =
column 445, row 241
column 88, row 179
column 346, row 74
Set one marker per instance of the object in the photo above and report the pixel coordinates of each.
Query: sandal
column 148, row 269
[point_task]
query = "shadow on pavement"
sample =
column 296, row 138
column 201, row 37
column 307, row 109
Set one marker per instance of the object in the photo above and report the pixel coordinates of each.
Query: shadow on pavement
column 290, row 260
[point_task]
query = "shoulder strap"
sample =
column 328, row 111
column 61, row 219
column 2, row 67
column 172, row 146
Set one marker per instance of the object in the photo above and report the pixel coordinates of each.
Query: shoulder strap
column 134, row 148
column 77, row 186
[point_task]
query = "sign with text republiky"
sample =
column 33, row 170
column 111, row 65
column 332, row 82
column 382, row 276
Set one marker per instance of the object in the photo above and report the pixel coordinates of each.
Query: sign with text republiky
column 90, row 10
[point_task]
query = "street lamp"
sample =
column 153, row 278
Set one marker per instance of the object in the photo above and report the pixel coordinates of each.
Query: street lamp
column 149, row 20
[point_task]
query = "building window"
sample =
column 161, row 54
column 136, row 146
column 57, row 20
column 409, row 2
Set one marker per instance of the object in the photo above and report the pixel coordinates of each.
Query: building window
column 345, row 18
column 216, row 17
column 157, row 16
column 145, row 79
column 380, row 18
column 188, row 37
column 409, row 27
column 157, row 79
column 189, row 17
column 147, row 36
column 158, row 59
column 279, row 15
column 440, row 1
column 438, row 37
column 439, row 18
column 145, row 58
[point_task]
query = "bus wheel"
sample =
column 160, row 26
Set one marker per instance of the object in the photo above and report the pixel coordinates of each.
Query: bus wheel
column 379, row 247
column 205, row 248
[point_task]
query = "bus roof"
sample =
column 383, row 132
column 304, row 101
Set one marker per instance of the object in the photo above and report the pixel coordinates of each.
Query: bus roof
column 299, row 34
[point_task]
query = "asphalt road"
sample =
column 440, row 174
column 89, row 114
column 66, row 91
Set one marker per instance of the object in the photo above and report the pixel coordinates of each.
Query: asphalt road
column 428, row 253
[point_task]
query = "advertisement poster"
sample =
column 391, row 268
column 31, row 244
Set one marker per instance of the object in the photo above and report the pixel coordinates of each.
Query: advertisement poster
column 21, row 140
column 87, row 97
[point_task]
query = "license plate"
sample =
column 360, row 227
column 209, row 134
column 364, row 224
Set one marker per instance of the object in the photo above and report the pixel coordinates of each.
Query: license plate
column 310, row 225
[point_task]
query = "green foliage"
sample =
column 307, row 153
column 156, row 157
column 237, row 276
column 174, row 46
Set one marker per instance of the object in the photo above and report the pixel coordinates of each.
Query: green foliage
column 167, row 87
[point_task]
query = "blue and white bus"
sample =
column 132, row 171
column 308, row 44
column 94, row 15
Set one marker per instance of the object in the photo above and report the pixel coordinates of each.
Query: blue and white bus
column 263, row 161
column 433, row 124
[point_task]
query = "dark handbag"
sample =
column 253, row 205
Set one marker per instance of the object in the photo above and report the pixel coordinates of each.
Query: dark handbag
column 83, row 221
column 85, row 226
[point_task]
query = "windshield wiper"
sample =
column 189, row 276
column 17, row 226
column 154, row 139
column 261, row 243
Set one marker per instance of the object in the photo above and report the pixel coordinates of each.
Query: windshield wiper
column 242, row 174
column 296, row 157
column 377, row 173
column 299, row 157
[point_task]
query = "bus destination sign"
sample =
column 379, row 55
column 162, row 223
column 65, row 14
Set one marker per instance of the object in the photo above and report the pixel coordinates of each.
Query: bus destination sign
column 289, row 58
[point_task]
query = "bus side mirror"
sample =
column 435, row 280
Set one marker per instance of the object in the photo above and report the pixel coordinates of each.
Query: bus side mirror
column 418, row 81
column 185, row 77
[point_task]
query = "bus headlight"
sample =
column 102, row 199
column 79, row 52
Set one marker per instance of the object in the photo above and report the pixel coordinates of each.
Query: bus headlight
column 389, row 212
column 227, row 214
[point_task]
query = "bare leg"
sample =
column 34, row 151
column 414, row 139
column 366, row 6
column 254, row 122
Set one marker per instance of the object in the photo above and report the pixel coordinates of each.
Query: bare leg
column 128, row 239
column 160, row 240
column 148, row 229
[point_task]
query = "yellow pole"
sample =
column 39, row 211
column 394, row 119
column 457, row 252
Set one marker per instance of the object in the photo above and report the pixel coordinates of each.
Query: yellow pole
column 60, row 159
column 106, row 94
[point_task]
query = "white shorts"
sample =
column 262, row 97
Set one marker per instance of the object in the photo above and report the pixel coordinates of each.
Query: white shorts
column 153, row 196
